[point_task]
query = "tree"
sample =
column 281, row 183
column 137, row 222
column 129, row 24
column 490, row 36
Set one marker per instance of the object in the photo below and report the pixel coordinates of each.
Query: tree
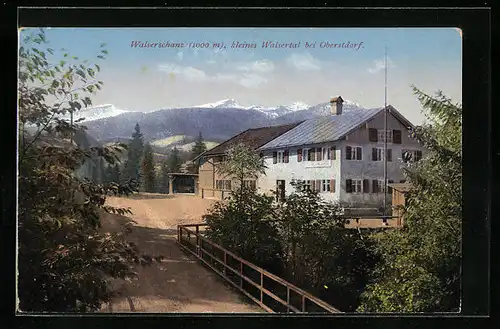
column 198, row 148
column 164, row 188
column 65, row 259
column 420, row 267
column 148, row 169
column 241, row 163
column 134, row 155
column 174, row 161
column 246, row 223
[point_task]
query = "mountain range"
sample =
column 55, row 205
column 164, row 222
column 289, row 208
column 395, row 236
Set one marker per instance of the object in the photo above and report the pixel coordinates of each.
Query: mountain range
column 216, row 121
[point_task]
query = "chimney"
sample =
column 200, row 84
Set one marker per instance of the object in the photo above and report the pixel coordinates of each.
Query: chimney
column 336, row 103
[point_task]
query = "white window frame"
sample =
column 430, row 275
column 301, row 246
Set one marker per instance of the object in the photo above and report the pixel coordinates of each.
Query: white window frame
column 354, row 153
column 326, row 153
column 280, row 156
column 413, row 153
column 380, row 154
column 357, row 185
column 325, row 185
column 381, row 137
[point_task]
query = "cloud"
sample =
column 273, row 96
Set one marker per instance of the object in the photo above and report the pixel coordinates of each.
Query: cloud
column 379, row 65
column 303, row 62
column 180, row 56
column 187, row 72
column 248, row 78
column 260, row 66
column 252, row 80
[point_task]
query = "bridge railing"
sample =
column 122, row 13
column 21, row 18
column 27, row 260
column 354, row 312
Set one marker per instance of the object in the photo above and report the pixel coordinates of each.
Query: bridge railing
column 269, row 291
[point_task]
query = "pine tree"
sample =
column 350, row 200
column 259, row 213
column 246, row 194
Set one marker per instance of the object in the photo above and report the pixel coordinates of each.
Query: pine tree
column 115, row 174
column 164, row 188
column 134, row 156
column 148, row 169
column 174, row 161
column 198, row 148
column 420, row 267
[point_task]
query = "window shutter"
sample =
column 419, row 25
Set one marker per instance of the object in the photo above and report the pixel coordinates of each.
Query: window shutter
column 372, row 135
column 389, row 154
column 348, row 185
column 374, row 186
column 374, row 154
column 318, row 185
column 332, row 185
column 275, row 157
column 299, row 155
column 359, row 154
column 396, row 136
column 333, row 153
column 319, row 154
column 348, row 153
column 285, row 156
column 366, row 186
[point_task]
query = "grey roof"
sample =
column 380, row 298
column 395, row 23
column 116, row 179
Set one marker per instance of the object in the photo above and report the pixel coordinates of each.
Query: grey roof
column 323, row 129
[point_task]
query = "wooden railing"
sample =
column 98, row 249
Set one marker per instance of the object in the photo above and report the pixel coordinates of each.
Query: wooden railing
column 269, row 291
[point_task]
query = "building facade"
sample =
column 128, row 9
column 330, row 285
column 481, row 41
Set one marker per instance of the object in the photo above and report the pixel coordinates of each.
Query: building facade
column 340, row 155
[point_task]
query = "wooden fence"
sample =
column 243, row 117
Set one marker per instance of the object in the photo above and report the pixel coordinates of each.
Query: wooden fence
column 269, row 291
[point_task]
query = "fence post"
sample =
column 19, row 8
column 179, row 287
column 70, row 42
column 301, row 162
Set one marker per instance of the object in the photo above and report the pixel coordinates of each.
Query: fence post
column 261, row 285
column 225, row 262
column 241, row 274
column 303, row 303
column 197, row 241
column 287, row 299
column 202, row 193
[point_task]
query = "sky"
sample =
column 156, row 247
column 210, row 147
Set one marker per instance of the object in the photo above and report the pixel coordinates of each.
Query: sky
column 347, row 62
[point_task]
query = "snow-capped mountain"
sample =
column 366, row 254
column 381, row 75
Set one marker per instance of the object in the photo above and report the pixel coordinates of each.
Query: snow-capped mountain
column 271, row 111
column 229, row 103
column 97, row 112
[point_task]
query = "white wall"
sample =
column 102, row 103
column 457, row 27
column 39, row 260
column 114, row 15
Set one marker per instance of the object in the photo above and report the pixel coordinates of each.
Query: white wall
column 304, row 170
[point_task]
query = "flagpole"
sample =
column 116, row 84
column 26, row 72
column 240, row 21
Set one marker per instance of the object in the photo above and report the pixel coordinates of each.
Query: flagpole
column 385, row 136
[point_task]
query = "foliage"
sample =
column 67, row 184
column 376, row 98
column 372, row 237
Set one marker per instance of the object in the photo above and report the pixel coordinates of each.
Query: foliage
column 242, row 163
column 148, row 170
column 134, row 155
column 245, row 226
column 174, row 161
column 420, row 271
column 321, row 252
column 65, row 258
column 164, row 187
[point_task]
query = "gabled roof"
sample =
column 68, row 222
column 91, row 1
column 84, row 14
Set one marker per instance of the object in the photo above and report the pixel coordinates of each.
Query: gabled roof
column 253, row 138
column 329, row 128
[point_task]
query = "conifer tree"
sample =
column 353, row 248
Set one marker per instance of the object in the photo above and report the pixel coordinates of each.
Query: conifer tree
column 148, row 170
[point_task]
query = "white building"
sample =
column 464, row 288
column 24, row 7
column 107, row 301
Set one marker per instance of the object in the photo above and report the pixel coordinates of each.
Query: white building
column 341, row 155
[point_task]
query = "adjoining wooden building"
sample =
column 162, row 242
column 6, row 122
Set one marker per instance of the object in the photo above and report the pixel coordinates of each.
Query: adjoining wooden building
column 182, row 183
column 214, row 185
column 399, row 197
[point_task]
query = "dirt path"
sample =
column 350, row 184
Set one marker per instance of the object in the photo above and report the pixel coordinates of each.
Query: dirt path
column 180, row 283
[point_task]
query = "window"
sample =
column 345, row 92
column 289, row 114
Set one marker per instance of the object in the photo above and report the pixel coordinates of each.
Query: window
column 411, row 155
column 281, row 156
column 354, row 185
column 250, row 184
column 223, row 184
column 326, row 153
column 381, row 136
column 353, row 153
column 377, row 154
column 377, row 186
column 307, row 184
column 310, row 154
column 325, row 185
